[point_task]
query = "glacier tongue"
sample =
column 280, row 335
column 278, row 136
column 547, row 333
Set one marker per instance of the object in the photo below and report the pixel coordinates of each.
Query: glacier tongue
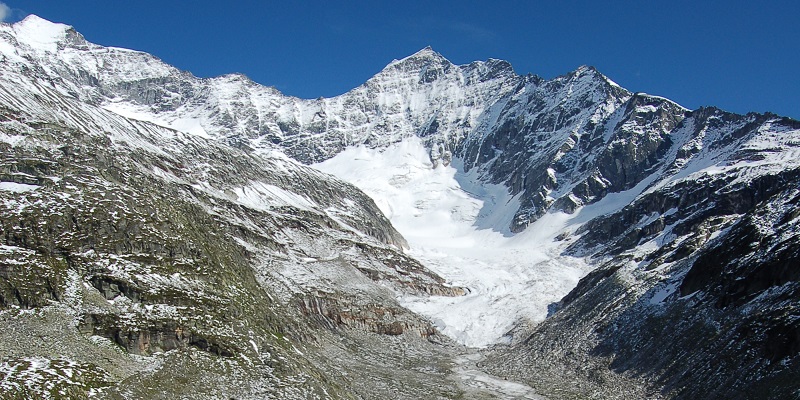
column 457, row 227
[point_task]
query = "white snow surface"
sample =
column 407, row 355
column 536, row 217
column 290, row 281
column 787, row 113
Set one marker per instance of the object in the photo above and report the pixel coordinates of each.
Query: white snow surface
column 17, row 187
column 191, row 126
column 460, row 233
column 39, row 33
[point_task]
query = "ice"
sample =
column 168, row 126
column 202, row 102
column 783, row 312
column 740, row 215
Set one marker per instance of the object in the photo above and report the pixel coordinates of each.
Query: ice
column 471, row 376
column 458, row 227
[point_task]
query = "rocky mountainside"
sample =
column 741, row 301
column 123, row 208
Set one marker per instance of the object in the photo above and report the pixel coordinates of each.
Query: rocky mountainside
column 696, row 291
column 141, row 262
column 149, row 213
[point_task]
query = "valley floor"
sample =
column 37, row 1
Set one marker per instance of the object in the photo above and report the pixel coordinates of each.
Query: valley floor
column 474, row 380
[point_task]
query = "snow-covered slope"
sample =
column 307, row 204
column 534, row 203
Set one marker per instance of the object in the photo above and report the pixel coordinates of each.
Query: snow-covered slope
column 447, row 218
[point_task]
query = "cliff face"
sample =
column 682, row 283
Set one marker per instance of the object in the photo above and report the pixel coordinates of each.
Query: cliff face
column 696, row 292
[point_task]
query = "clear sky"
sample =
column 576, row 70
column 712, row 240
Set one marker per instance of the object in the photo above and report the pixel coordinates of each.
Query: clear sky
column 738, row 55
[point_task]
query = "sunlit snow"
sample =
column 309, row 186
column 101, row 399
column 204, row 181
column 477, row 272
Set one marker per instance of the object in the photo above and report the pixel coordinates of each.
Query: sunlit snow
column 458, row 228
column 17, row 187
column 39, row 33
column 191, row 126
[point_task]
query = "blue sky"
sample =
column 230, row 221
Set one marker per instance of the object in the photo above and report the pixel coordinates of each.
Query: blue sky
column 738, row 55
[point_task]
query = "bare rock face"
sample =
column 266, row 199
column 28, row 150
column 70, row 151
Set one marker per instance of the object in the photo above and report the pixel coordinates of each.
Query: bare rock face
column 695, row 293
column 375, row 318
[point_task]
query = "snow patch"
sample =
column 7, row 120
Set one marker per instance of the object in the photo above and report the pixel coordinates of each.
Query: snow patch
column 262, row 196
column 13, row 140
column 17, row 187
column 646, row 109
column 660, row 295
column 188, row 125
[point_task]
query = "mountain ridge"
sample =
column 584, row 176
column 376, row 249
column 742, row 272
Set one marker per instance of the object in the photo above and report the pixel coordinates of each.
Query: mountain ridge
column 419, row 106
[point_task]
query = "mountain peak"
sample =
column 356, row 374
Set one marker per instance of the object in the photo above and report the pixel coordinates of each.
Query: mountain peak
column 586, row 70
column 422, row 60
column 426, row 53
column 426, row 49
column 492, row 67
column 33, row 18
column 34, row 21
column 588, row 73
column 40, row 33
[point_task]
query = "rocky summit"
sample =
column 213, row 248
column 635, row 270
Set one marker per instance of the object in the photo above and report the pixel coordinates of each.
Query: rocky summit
column 440, row 232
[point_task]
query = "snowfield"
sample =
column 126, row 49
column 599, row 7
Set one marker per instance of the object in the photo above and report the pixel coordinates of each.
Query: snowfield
column 458, row 228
